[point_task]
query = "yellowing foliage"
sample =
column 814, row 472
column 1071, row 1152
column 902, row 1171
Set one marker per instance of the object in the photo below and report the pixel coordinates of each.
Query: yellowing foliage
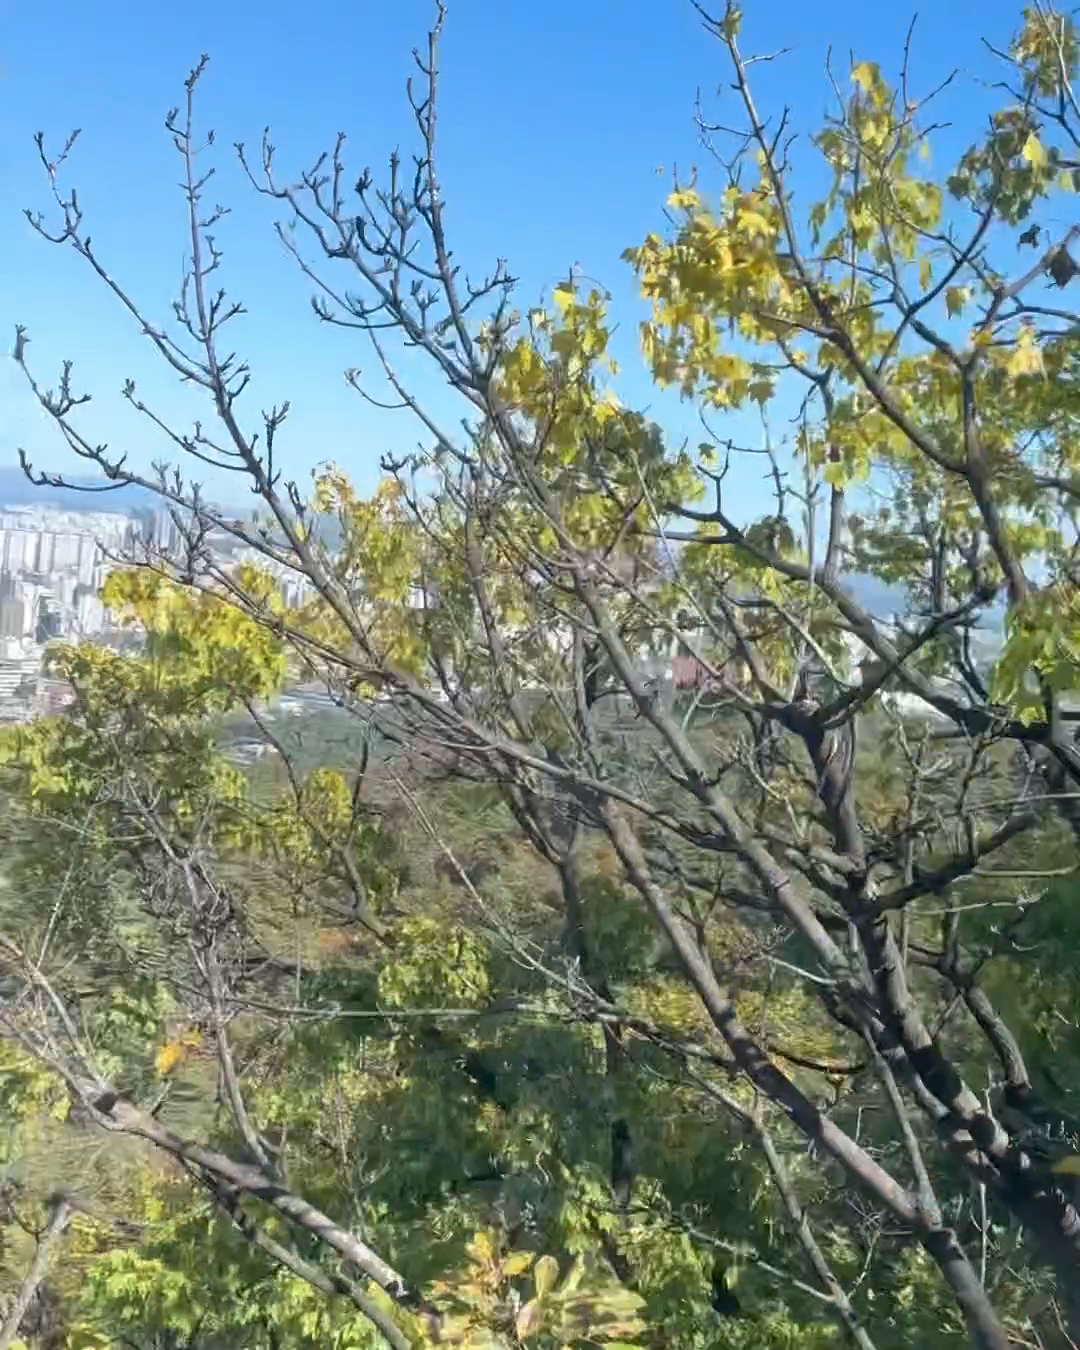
column 176, row 1051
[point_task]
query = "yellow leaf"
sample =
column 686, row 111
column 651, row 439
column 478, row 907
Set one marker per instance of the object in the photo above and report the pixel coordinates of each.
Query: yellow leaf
column 685, row 199
column 731, row 22
column 865, row 75
column 517, row 1263
column 1026, row 358
column 836, row 474
column 754, row 224
column 168, row 1057
column 1067, row 1167
column 1034, row 152
column 482, row 1246
column 175, row 1051
column 926, row 272
column 564, row 294
column 956, row 297
column 545, row 1274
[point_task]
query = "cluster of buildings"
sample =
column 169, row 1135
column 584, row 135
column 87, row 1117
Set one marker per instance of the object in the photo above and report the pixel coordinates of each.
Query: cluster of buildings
column 53, row 564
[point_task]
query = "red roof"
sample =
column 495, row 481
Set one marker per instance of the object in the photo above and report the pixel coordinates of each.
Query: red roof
column 688, row 672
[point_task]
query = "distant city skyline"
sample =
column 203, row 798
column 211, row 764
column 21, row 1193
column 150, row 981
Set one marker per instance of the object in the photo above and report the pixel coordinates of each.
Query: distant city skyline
column 54, row 560
column 55, row 556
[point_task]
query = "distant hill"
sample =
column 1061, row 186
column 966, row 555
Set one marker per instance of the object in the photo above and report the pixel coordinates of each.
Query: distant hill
column 883, row 601
column 878, row 597
column 17, row 490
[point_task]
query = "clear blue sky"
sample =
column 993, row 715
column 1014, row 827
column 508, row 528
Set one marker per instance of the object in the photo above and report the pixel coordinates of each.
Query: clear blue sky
column 556, row 117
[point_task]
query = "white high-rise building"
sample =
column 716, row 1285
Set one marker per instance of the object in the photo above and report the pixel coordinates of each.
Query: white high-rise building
column 89, row 618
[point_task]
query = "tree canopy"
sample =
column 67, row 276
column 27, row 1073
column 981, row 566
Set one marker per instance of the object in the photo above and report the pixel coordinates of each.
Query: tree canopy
column 678, row 952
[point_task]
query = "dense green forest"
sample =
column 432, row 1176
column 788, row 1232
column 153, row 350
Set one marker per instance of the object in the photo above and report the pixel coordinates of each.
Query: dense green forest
column 651, row 946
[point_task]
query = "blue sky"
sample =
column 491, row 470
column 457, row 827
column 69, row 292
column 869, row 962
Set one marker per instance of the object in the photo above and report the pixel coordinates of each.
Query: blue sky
column 556, row 118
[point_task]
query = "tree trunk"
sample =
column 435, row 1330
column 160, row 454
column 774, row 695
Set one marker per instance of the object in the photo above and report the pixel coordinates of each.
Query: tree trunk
column 59, row 1218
